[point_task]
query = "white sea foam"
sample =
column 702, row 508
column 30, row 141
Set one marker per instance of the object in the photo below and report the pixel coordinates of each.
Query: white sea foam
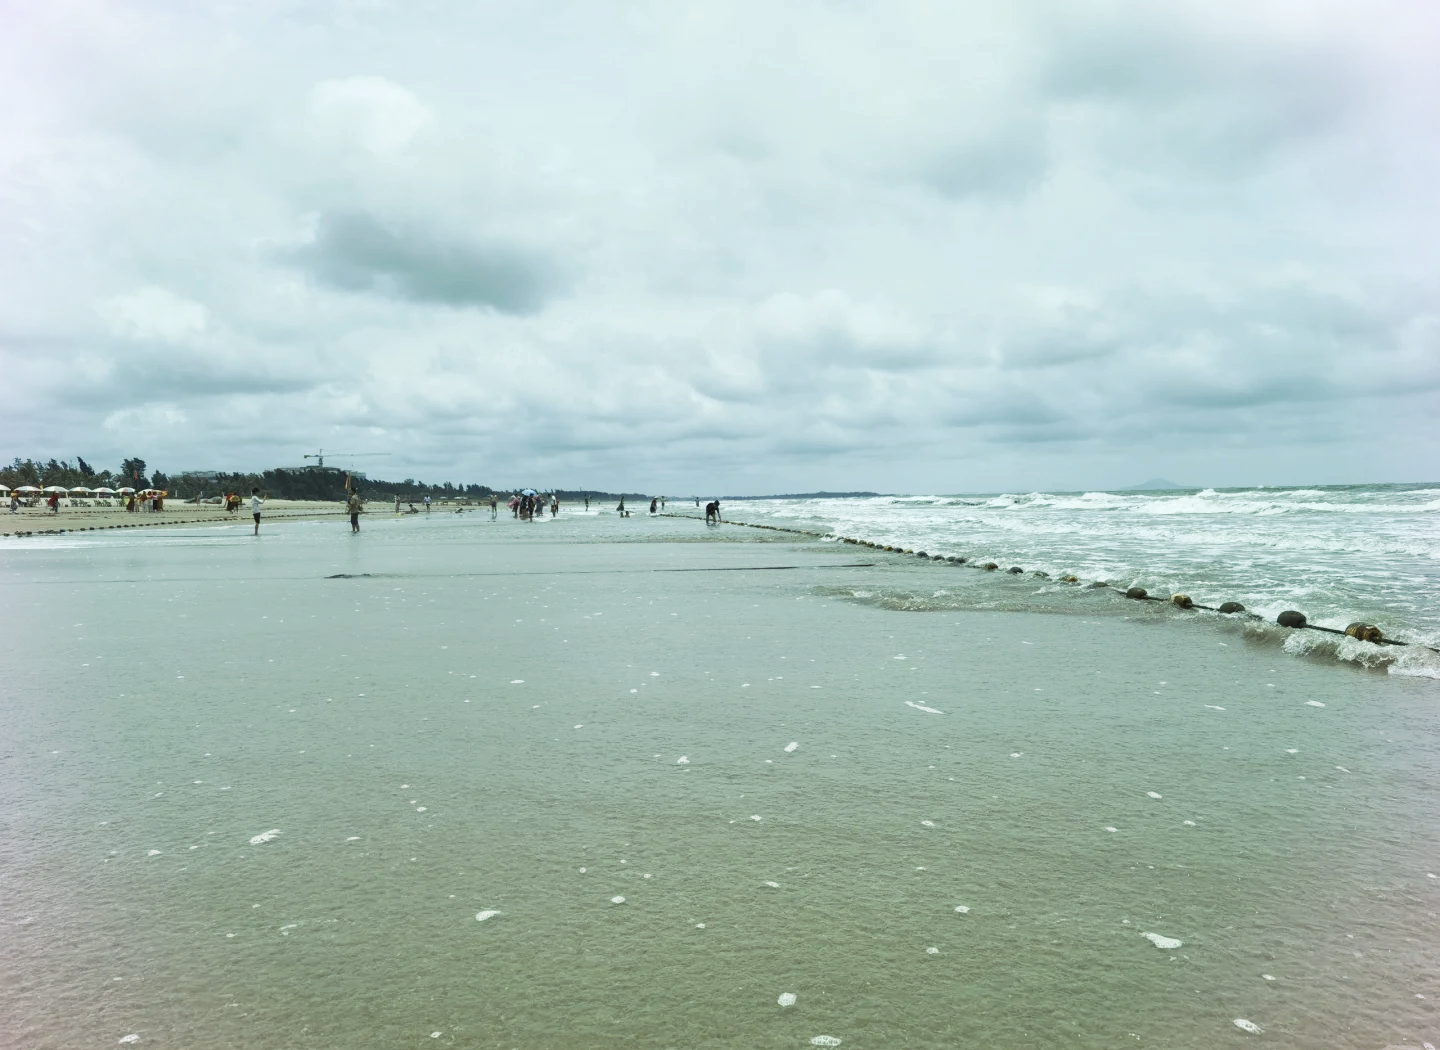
column 932, row 951
column 791, row 746
column 756, row 816
column 617, row 900
column 922, row 707
column 156, row 852
column 825, row 1040
column 131, row 1038
column 682, row 761
column 1314, row 703
column 1248, row 1026
column 1267, row 976
column 1112, row 829
column 786, row 999
column 928, row 823
column 1213, row 707
column 265, row 836
column 773, row 885
column 1154, row 794
column 488, row 913
column 1161, row 941
column 962, row 909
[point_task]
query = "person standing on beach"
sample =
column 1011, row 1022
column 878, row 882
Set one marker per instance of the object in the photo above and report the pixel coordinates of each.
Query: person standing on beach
column 494, row 507
column 255, row 504
column 354, row 505
column 427, row 503
column 554, row 505
column 587, row 502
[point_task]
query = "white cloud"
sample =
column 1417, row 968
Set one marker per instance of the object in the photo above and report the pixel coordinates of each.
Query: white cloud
column 377, row 113
column 154, row 313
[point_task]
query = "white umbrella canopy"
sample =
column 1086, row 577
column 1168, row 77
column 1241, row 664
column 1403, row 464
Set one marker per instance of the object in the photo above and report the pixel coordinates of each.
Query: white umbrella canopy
column 104, row 492
column 126, row 492
column 82, row 490
column 27, row 488
column 4, row 488
column 54, row 488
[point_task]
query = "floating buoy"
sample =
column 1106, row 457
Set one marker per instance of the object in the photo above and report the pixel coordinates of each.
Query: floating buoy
column 1182, row 600
column 989, row 566
column 921, row 554
column 1291, row 618
column 1015, row 570
column 1365, row 632
column 907, row 550
column 1232, row 607
column 1138, row 593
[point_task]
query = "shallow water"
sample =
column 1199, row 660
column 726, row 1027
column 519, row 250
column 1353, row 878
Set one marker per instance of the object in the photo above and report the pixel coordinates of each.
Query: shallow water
column 273, row 804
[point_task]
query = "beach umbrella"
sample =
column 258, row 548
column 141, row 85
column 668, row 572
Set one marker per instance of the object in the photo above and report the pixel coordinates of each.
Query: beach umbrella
column 127, row 492
column 54, row 488
column 527, row 492
column 82, row 490
column 4, row 488
column 27, row 488
column 104, row 492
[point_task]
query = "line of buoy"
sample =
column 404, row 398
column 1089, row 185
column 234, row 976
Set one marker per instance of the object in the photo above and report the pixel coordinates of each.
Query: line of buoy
column 1290, row 618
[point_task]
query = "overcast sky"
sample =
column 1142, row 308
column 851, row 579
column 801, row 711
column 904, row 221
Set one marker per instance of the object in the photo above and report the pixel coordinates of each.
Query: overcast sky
column 726, row 247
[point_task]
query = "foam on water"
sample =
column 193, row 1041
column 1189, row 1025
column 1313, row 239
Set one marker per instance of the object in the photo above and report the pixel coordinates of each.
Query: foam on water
column 825, row 1040
column 1248, row 1026
column 786, row 999
column 489, row 913
column 962, row 909
column 1345, row 553
column 922, row 707
column 617, row 900
column 1161, row 941
column 791, row 746
column 265, row 836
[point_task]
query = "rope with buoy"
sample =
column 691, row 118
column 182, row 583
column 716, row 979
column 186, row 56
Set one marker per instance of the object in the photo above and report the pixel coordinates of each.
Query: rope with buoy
column 1290, row 618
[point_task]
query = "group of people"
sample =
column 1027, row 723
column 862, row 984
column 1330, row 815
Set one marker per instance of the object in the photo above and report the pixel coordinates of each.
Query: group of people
column 528, row 506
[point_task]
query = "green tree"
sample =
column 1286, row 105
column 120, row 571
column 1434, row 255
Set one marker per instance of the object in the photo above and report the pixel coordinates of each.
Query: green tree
column 132, row 473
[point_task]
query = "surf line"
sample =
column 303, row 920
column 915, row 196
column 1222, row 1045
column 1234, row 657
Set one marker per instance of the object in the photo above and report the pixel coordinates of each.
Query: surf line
column 1290, row 618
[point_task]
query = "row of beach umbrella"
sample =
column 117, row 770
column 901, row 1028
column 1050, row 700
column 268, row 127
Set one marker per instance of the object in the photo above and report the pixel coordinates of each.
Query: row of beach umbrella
column 78, row 490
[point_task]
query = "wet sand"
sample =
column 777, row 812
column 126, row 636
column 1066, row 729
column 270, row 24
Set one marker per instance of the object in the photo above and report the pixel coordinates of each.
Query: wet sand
column 41, row 521
column 791, row 793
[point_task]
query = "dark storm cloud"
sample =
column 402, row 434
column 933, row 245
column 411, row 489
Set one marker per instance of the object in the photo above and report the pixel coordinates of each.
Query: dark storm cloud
column 358, row 253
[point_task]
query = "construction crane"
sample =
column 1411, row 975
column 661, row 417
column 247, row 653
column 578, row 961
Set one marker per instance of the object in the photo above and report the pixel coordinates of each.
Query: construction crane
column 319, row 457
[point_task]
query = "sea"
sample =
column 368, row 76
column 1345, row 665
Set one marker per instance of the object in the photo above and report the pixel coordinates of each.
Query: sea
column 635, row 782
column 1340, row 554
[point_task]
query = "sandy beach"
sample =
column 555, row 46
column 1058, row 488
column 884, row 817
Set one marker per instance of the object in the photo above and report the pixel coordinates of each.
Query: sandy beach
column 41, row 521
column 602, row 783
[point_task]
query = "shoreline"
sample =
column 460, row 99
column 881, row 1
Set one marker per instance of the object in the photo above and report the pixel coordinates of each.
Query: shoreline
column 37, row 521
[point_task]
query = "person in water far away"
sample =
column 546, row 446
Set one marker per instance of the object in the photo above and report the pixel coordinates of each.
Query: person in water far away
column 354, row 506
column 255, row 504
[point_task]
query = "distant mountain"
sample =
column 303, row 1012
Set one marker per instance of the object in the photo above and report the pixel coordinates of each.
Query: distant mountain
column 1156, row 483
column 812, row 495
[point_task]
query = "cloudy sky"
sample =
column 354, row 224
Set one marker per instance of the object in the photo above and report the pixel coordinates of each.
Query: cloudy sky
column 732, row 247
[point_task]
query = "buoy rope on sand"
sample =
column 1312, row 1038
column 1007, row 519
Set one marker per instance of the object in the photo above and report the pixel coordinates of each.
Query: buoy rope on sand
column 1361, row 632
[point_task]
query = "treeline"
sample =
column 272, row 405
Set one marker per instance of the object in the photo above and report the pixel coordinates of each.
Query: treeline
column 62, row 472
column 298, row 483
